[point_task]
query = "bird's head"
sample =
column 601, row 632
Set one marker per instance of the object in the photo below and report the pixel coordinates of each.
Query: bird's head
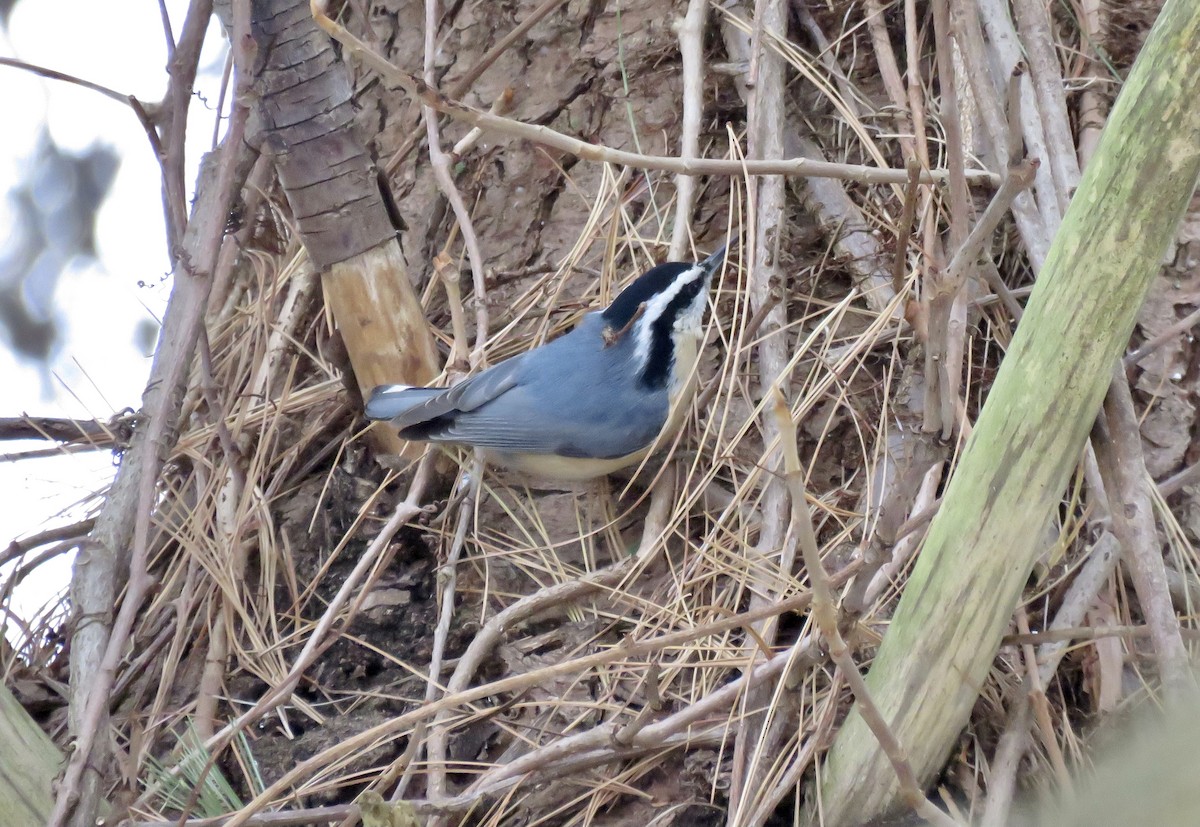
column 658, row 309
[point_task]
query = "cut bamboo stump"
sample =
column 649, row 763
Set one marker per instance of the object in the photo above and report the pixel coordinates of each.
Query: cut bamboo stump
column 382, row 325
column 307, row 116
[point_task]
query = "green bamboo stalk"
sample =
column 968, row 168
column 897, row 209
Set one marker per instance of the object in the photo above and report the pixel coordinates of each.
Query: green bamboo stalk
column 982, row 544
column 29, row 762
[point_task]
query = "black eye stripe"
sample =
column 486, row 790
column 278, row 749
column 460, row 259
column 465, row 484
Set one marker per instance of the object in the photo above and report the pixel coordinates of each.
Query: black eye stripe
column 657, row 371
column 643, row 289
column 659, row 321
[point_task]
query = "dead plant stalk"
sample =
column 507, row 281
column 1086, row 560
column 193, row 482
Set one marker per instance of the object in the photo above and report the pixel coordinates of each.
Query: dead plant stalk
column 518, row 683
column 824, row 609
column 131, row 501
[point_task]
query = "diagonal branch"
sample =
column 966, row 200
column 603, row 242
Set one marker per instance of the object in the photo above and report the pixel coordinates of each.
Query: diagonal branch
column 545, row 136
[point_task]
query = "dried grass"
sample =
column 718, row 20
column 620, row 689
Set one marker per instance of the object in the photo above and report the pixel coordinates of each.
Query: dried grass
column 623, row 660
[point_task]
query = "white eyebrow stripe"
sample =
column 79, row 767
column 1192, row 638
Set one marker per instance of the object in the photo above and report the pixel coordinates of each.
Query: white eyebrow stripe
column 654, row 309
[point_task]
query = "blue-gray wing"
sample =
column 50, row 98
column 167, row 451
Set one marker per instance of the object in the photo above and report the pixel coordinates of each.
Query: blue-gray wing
column 580, row 425
column 407, row 406
column 562, row 398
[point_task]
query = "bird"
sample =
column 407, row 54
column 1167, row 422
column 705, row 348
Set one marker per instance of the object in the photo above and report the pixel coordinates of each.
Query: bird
column 585, row 404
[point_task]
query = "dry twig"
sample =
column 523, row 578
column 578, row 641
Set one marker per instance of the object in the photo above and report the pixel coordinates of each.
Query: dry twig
column 430, row 96
column 824, row 610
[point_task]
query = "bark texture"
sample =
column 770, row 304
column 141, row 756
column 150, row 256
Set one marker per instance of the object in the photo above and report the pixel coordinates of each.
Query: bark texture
column 332, row 186
column 308, row 125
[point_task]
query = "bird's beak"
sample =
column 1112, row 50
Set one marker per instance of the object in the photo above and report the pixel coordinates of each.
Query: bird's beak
column 713, row 262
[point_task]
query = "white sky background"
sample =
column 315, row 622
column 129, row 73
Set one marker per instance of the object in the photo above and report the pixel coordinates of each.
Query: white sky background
column 98, row 369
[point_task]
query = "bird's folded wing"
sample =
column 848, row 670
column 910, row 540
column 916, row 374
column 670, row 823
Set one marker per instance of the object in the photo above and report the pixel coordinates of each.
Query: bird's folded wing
column 520, row 422
column 406, row 407
column 497, row 433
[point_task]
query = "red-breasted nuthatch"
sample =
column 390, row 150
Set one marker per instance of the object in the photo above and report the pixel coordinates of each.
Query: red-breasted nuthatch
column 585, row 404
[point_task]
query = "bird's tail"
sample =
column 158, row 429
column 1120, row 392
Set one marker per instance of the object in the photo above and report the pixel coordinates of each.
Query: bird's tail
column 390, row 401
